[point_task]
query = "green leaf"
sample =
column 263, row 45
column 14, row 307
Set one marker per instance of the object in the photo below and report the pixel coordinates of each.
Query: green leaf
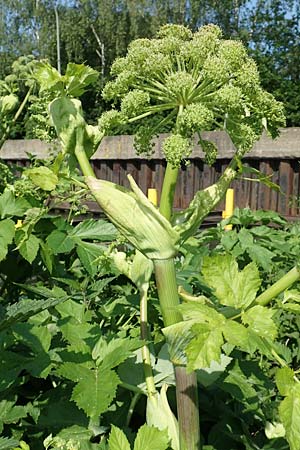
column 42, row 177
column 237, row 334
column 9, row 206
column 100, row 230
column 178, row 336
column 205, row 347
column 232, row 287
column 259, row 318
column 7, row 232
column 49, row 78
column 89, row 254
column 77, row 77
column 111, row 354
column 60, row 242
column 289, row 414
column 95, row 390
column 262, row 256
column 201, row 313
column 26, row 308
column 117, row 439
column 285, row 381
column 27, row 247
column 8, row 443
column 77, row 333
column 150, row 438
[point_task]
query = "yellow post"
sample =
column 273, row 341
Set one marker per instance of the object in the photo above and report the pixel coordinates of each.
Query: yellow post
column 152, row 196
column 229, row 206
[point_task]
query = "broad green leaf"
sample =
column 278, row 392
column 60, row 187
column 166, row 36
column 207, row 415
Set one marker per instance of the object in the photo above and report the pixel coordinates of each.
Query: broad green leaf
column 289, row 414
column 38, row 338
column 48, row 77
column 262, row 256
column 10, row 206
column 60, row 242
column 27, row 246
column 77, row 333
column 246, row 239
column 232, row 287
column 7, row 232
column 77, row 77
column 100, row 230
column 237, row 334
column 285, row 381
column 150, row 438
column 47, row 255
column 259, row 318
column 209, row 375
column 237, row 383
column 201, row 313
column 89, row 254
column 111, row 354
column 95, row 390
column 8, row 443
column 26, row 308
column 205, row 347
column 42, row 177
column 117, row 439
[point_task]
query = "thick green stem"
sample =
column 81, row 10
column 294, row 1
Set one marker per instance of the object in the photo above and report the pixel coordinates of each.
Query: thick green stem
column 167, row 290
column 82, row 159
column 187, row 409
column 149, row 379
column 168, row 191
column 285, row 282
column 186, row 383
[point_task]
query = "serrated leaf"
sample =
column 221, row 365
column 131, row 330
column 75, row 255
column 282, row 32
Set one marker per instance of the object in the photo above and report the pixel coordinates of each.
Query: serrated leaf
column 10, row 206
column 89, row 254
column 111, row 354
column 117, row 439
column 7, row 232
column 77, row 77
column 205, row 347
column 262, row 256
column 77, row 333
column 24, row 309
column 28, row 247
column 201, row 313
column 289, row 414
column 285, row 381
column 95, row 390
column 60, row 242
column 237, row 334
column 100, row 230
column 43, row 177
column 232, row 287
column 259, row 318
column 150, row 438
column 8, row 443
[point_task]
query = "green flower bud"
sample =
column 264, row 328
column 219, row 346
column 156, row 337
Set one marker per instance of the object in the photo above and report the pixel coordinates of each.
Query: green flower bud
column 160, row 415
column 176, row 148
column 8, row 103
column 136, row 218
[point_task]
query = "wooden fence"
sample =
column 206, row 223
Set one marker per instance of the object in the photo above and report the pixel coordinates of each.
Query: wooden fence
column 115, row 158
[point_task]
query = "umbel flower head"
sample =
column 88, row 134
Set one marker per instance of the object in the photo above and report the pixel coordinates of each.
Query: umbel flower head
column 185, row 83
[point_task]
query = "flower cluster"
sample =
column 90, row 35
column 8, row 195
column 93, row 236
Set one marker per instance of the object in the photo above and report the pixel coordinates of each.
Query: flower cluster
column 185, row 83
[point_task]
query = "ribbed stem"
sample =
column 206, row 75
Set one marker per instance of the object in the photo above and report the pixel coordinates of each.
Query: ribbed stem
column 168, row 191
column 187, row 409
column 167, row 290
column 285, row 282
column 82, row 158
column 186, row 383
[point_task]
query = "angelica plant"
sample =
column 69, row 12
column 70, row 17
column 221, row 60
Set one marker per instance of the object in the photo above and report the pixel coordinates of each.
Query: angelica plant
column 185, row 83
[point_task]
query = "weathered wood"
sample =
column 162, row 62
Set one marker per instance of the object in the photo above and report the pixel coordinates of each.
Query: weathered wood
column 278, row 159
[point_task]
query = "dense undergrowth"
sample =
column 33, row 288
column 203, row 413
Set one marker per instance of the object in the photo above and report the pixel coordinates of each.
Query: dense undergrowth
column 70, row 329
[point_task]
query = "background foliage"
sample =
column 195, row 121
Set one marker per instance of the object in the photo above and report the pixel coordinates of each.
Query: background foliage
column 97, row 31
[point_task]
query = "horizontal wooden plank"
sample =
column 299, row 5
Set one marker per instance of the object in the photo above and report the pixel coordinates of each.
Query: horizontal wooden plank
column 286, row 146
